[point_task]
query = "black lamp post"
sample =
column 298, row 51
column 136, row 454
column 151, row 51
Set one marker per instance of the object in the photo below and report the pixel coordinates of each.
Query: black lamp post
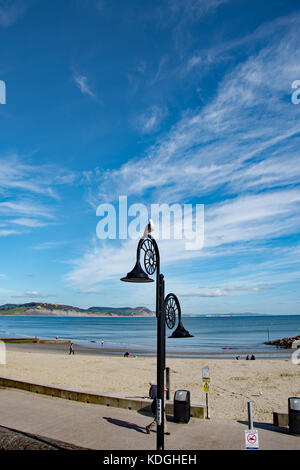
column 166, row 310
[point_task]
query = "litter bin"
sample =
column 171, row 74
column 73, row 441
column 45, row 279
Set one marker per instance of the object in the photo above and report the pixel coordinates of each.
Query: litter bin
column 294, row 415
column 182, row 407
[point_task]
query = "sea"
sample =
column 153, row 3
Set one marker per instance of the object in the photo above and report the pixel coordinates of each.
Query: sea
column 224, row 335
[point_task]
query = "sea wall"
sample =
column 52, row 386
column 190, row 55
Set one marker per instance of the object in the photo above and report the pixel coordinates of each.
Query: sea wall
column 198, row 410
column 35, row 340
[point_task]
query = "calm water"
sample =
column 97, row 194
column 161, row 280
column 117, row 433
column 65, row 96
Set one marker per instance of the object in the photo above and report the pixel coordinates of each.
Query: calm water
column 226, row 335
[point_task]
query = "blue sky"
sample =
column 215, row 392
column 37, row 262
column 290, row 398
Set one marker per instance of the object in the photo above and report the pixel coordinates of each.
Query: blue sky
column 164, row 102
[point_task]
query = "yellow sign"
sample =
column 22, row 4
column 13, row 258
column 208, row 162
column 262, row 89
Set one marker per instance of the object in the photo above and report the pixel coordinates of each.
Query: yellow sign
column 206, row 387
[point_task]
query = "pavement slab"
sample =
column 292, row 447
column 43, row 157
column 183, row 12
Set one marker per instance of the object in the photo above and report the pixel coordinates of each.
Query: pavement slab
column 105, row 428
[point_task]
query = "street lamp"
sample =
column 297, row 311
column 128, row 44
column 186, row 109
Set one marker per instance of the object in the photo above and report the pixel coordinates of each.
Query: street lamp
column 166, row 311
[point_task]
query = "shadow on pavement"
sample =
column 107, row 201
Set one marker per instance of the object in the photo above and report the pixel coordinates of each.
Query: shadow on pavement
column 149, row 414
column 268, row 427
column 125, row 424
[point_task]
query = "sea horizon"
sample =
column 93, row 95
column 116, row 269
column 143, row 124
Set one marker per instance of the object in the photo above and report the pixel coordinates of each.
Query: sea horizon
column 212, row 334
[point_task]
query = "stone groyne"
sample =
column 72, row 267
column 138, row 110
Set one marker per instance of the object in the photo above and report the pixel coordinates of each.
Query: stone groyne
column 284, row 342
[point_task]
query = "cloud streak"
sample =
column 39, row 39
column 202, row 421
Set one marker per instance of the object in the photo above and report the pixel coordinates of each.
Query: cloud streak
column 29, row 193
column 82, row 83
column 151, row 119
column 238, row 155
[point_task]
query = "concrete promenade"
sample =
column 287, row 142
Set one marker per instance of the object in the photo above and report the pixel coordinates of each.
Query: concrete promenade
column 106, row 428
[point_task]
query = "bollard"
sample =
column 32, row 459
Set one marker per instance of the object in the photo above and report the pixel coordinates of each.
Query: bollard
column 250, row 417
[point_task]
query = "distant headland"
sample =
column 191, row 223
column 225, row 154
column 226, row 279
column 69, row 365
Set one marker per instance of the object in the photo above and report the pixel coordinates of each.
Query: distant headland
column 50, row 309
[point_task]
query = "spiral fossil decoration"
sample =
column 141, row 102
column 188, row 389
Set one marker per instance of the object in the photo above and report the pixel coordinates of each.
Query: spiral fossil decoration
column 150, row 260
column 172, row 310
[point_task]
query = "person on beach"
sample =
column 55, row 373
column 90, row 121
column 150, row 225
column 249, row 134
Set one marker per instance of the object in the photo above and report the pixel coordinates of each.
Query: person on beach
column 153, row 395
column 71, row 350
column 102, row 343
column 252, row 357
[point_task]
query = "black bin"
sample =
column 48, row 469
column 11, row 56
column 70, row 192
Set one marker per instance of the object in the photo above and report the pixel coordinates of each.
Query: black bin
column 294, row 415
column 182, row 406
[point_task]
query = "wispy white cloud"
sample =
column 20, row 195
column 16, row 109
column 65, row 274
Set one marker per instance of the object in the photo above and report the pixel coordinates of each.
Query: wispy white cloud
column 29, row 193
column 206, row 293
column 182, row 13
column 228, row 227
column 88, row 291
column 7, row 232
column 221, row 291
column 26, row 207
column 226, row 140
column 31, row 295
column 17, row 174
column 159, row 73
column 48, row 245
column 227, row 50
column 194, row 61
column 28, row 222
column 151, row 119
column 242, row 148
column 253, row 217
column 82, row 83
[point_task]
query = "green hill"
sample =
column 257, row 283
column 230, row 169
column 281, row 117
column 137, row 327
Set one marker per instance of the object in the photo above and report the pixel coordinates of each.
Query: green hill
column 50, row 309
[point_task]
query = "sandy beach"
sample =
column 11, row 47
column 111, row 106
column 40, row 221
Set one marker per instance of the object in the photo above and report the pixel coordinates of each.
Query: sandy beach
column 266, row 382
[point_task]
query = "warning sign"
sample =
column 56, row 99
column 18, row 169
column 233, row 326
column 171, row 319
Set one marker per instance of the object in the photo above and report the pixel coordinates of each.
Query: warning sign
column 206, row 379
column 205, row 374
column 251, row 439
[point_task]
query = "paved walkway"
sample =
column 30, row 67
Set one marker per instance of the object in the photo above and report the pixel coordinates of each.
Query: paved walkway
column 99, row 427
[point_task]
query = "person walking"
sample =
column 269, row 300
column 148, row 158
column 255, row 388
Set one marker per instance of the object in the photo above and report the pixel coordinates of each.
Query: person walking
column 71, row 350
column 153, row 395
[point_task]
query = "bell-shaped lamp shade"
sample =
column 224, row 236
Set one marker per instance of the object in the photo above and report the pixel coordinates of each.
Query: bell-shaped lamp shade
column 181, row 332
column 137, row 275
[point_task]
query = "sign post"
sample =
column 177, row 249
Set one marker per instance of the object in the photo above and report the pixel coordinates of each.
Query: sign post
column 206, row 386
column 251, row 435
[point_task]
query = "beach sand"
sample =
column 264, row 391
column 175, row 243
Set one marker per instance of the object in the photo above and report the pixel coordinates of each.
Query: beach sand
column 266, row 382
